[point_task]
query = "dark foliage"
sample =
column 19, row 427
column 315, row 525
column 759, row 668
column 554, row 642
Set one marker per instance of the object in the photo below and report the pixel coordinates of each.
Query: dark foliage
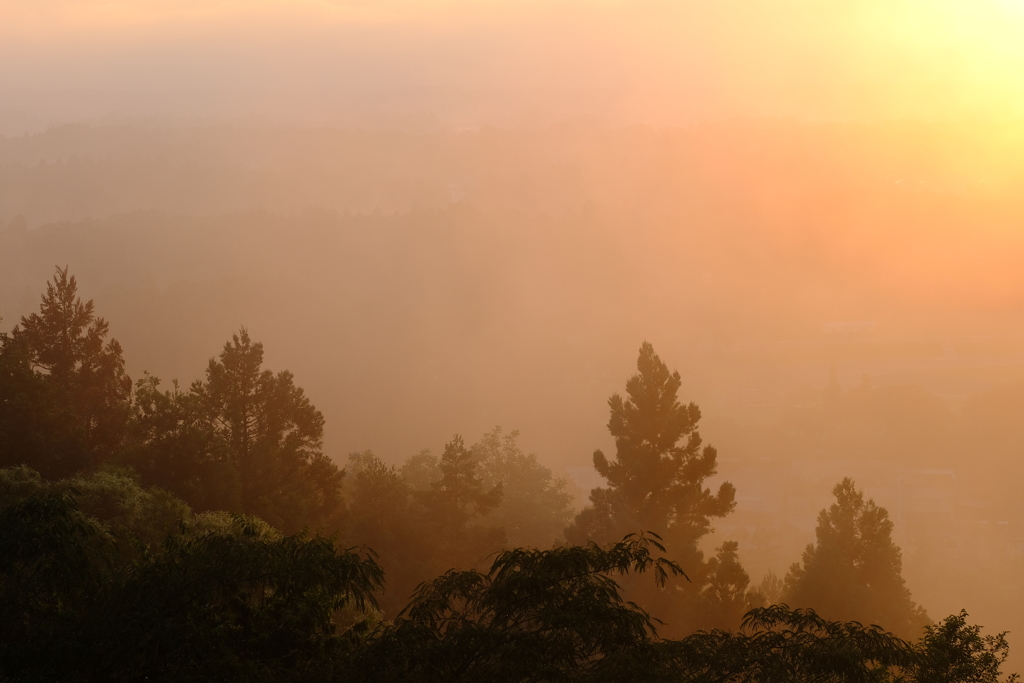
column 245, row 440
column 954, row 650
column 778, row 645
column 656, row 482
column 64, row 394
column 423, row 532
column 240, row 603
column 853, row 571
column 536, row 615
column 237, row 601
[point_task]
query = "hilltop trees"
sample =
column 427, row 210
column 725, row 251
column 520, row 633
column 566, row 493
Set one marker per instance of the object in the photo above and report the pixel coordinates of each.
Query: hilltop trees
column 435, row 514
column 656, row 481
column 64, row 394
column 170, row 445
column 244, row 439
column 102, row 578
column 237, row 601
column 425, row 522
column 454, row 502
column 853, row 570
column 270, row 433
column 535, row 507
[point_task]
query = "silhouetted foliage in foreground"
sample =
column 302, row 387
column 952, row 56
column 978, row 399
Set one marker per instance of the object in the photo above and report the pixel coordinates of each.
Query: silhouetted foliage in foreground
column 535, row 615
column 103, row 579
column 236, row 603
column 241, row 602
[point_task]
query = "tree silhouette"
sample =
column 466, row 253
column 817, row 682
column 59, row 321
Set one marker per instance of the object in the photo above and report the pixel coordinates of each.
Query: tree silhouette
column 268, row 430
column 244, row 439
column 453, row 510
column 656, row 483
column 238, row 602
column 853, row 571
column 170, row 445
column 67, row 396
column 954, row 650
column 535, row 507
column 229, row 598
column 535, row 615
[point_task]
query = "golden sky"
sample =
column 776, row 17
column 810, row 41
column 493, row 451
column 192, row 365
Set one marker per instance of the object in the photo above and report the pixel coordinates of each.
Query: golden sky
column 839, row 58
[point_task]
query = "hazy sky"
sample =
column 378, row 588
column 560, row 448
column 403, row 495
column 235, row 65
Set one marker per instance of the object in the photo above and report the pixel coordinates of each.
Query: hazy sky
column 460, row 276
column 651, row 59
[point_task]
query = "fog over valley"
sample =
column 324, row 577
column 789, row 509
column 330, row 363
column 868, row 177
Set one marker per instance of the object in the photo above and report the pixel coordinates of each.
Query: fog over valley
column 466, row 341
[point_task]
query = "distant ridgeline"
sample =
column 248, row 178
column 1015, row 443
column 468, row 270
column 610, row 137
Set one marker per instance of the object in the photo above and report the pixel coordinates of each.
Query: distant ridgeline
column 201, row 533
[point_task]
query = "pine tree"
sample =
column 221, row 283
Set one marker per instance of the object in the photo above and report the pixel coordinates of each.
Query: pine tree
column 454, row 508
column 656, row 483
column 244, row 440
column 853, row 571
column 726, row 596
column 268, row 430
column 67, row 397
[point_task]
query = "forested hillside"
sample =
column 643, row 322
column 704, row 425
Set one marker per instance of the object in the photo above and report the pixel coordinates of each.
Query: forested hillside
column 201, row 531
column 454, row 281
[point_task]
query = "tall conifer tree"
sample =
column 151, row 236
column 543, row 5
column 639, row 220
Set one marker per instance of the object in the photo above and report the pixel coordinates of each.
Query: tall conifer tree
column 267, row 429
column 656, row 480
column 67, row 397
column 853, row 571
column 655, row 483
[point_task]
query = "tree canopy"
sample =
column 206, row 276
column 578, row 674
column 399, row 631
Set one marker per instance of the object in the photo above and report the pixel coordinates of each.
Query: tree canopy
column 853, row 571
column 163, row 536
column 535, row 507
column 655, row 482
column 244, row 439
column 236, row 600
column 64, row 395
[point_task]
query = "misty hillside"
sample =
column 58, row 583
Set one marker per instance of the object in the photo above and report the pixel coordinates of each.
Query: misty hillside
column 527, row 342
column 496, row 261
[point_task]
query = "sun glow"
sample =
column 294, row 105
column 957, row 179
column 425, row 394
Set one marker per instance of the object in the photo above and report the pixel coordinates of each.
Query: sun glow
column 937, row 59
